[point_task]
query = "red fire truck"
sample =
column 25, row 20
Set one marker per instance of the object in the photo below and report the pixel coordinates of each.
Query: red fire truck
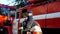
column 46, row 13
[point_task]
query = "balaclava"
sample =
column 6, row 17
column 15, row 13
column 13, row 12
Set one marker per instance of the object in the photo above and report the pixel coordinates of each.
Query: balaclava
column 30, row 15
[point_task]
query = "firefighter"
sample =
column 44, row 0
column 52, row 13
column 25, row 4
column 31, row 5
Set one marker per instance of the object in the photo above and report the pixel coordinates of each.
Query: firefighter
column 29, row 25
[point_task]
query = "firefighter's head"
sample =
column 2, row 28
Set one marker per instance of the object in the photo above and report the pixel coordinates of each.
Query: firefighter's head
column 30, row 15
column 24, row 13
column 27, row 14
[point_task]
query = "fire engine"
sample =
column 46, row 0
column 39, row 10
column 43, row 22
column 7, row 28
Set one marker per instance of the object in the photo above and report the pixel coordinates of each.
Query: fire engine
column 46, row 13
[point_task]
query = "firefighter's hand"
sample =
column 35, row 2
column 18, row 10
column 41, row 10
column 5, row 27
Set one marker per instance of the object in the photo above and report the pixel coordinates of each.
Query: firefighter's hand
column 28, row 33
column 20, row 28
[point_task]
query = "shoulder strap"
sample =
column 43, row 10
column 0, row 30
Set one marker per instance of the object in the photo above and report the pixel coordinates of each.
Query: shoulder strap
column 32, row 24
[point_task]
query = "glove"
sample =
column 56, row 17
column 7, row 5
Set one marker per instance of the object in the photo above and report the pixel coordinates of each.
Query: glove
column 21, row 28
